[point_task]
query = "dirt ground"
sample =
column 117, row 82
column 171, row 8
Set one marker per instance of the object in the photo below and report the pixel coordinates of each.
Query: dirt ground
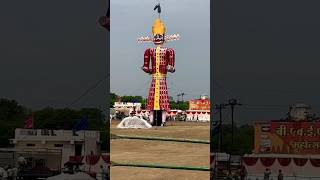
column 161, row 152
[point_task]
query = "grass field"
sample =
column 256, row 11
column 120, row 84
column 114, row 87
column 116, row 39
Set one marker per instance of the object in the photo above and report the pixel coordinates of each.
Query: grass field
column 161, row 152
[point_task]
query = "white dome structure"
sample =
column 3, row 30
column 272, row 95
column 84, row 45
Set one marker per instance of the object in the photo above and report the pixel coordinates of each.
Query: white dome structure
column 134, row 122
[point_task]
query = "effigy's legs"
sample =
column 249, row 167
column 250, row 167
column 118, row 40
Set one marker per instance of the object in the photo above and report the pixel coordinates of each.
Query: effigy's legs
column 151, row 117
column 164, row 116
column 156, row 117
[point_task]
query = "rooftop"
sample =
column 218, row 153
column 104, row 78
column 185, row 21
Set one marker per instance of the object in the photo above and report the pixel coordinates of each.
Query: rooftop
column 53, row 135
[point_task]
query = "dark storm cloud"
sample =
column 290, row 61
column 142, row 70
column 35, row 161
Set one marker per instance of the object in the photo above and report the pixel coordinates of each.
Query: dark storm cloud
column 267, row 53
column 52, row 51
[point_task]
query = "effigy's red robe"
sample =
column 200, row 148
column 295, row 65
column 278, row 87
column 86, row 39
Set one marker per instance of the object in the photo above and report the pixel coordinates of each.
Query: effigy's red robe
column 162, row 61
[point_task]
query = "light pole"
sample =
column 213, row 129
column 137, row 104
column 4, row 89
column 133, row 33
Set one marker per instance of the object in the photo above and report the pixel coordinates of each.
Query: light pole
column 220, row 107
column 233, row 103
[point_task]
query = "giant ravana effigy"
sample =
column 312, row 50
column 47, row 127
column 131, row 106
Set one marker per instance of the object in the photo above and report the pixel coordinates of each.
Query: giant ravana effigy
column 157, row 62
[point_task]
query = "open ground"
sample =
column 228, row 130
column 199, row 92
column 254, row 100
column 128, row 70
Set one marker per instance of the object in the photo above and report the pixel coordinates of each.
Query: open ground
column 161, row 152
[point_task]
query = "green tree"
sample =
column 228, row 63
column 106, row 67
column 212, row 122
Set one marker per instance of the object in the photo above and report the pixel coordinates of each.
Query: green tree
column 183, row 105
column 12, row 115
column 143, row 103
column 179, row 105
column 243, row 140
column 113, row 99
column 173, row 105
column 131, row 99
column 11, row 110
column 50, row 118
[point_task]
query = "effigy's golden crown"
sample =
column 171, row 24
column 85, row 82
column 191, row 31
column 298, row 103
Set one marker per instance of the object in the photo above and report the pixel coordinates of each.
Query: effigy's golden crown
column 158, row 27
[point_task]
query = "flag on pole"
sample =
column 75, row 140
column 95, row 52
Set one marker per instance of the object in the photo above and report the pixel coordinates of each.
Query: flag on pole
column 82, row 124
column 158, row 8
column 28, row 123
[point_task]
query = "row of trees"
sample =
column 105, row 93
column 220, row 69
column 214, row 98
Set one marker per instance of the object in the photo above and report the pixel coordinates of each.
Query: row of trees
column 114, row 97
column 173, row 105
column 243, row 140
column 13, row 115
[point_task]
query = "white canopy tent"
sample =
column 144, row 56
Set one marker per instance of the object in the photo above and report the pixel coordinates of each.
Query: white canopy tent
column 134, row 122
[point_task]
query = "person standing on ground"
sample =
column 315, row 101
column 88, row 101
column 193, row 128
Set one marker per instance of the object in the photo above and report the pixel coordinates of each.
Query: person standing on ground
column 106, row 171
column 9, row 172
column 14, row 173
column 280, row 175
column 5, row 174
column 267, row 174
column 103, row 174
column 1, row 172
column 243, row 173
column 100, row 173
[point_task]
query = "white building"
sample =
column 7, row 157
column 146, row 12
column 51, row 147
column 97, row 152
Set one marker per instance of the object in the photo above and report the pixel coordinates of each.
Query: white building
column 62, row 143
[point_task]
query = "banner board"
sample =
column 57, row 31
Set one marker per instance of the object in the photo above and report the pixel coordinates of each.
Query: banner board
column 287, row 137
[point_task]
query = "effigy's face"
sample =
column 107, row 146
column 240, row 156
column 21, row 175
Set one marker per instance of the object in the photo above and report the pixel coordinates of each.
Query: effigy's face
column 158, row 39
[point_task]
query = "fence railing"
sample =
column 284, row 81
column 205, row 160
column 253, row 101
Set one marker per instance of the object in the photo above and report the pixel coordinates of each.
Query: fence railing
column 161, row 166
column 113, row 136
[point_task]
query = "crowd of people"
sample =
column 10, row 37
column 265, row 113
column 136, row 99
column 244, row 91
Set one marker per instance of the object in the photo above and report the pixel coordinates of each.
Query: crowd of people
column 268, row 173
column 8, row 173
column 104, row 172
column 266, row 176
column 242, row 174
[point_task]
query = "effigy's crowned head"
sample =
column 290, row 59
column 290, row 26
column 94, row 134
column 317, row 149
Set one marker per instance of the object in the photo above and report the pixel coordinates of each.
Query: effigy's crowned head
column 158, row 31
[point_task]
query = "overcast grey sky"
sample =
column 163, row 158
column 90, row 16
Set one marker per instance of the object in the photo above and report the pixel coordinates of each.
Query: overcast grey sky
column 52, row 51
column 134, row 18
column 267, row 56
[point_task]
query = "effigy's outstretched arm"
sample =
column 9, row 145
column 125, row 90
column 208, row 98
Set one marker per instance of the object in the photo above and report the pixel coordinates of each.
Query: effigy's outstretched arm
column 171, row 60
column 146, row 64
